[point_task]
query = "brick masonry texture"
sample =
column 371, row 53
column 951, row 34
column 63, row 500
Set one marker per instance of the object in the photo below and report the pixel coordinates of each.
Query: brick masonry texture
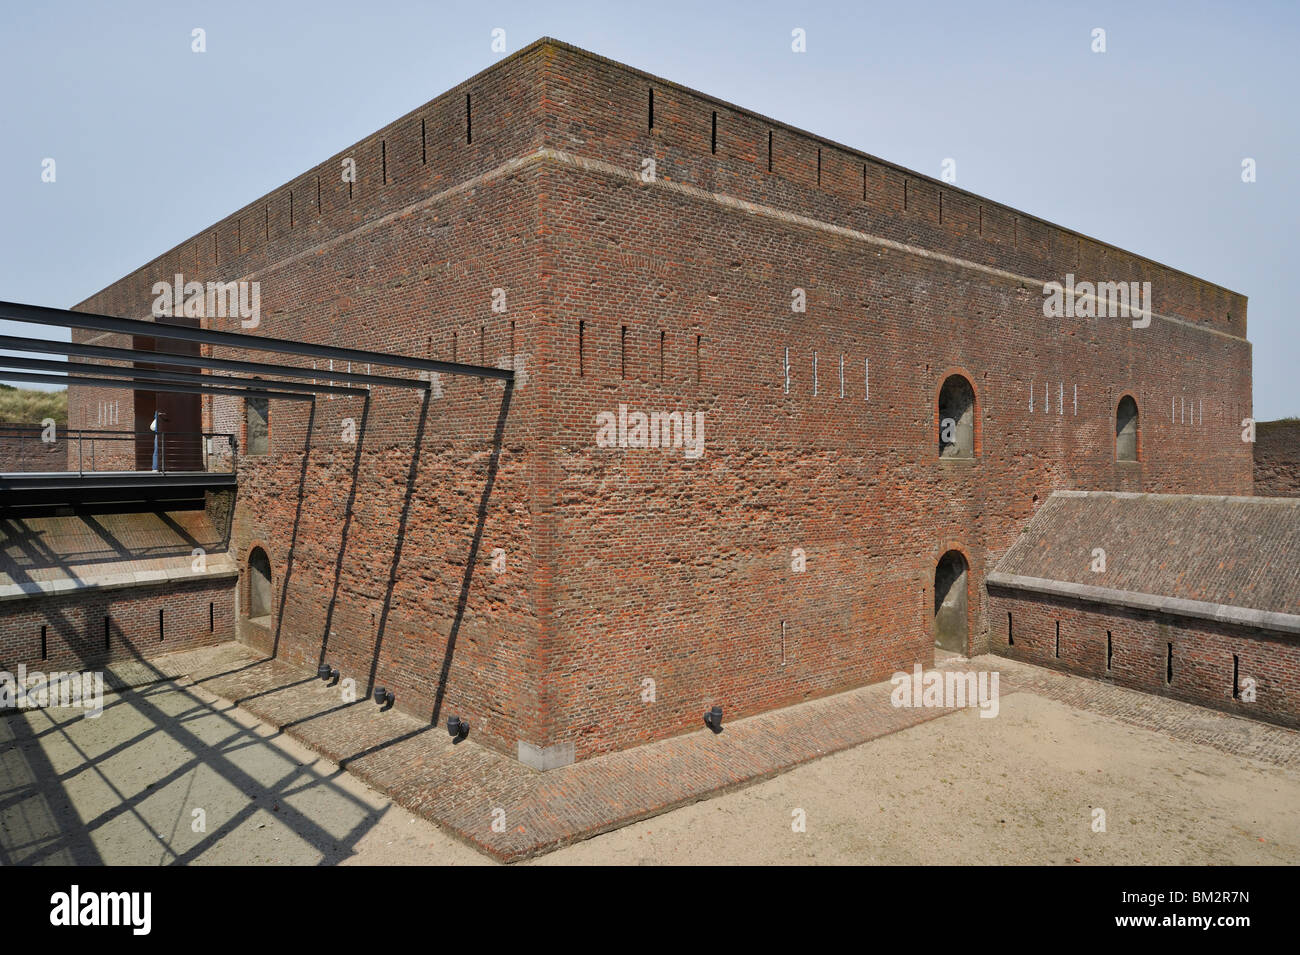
column 625, row 565
column 1226, row 631
column 1277, row 458
column 21, row 448
column 86, row 589
column 88, row 630
column 1184, row 658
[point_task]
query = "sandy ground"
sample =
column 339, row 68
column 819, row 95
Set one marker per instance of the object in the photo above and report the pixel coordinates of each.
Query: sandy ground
column 1021, row 788
column 1017, row 789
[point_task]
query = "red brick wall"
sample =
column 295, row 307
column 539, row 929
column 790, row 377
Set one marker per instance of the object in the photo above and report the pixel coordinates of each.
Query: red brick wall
column 1277, row 458
column 1202, row 652
column 404, row 261
column 625, row 565
column 92, row 410
column 21, row 448
column 194, row 615
column 598, row 109
column 680, row 571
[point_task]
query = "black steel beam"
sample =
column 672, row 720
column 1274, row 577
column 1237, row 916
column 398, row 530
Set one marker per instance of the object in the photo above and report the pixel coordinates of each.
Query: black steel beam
column 42, row 315
column 175, row 377
column 13, row 343
column 28, row 504
column 101, row 480
column 30, row 495
column 154, row 386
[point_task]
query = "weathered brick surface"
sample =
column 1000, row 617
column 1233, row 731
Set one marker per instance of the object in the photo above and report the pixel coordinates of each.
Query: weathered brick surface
column 1203, row 652
column 695, row 589
column 86, row 630
column 1189, row 723
column 110, row 575
column 467, row 787
column 1277, row 458
column 404, row 259
column 21, row 448
column 1199, row 596
column 625, row 565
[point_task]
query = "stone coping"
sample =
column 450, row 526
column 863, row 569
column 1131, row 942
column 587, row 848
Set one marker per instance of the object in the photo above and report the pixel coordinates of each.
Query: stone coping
column 218, row 568
column 1154, row 603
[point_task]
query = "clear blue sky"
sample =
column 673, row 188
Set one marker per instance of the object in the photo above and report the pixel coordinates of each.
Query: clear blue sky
column 1140, row 146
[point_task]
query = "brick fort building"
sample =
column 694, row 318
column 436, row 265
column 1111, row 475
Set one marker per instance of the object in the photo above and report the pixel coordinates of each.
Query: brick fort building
column 779, row 408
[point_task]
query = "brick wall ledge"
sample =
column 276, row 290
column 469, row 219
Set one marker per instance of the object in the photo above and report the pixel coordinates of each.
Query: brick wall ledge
column 1178, row 606
column 218, row 569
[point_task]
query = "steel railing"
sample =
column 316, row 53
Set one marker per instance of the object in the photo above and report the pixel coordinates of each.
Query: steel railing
column 174, row 451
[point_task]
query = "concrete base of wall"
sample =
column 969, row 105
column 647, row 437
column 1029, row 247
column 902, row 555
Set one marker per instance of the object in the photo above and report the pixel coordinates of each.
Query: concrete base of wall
column 545, row 757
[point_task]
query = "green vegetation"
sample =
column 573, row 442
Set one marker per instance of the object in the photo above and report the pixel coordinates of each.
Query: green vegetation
column 28, row 406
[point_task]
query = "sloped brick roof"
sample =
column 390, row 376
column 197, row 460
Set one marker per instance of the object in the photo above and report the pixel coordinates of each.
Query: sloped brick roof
column 1200, row 554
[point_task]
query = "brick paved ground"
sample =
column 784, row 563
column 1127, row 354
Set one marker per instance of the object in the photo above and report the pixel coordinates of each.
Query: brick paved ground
column 465, row 788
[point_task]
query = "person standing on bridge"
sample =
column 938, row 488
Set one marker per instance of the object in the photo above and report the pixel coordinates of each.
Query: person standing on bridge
column 157, row 436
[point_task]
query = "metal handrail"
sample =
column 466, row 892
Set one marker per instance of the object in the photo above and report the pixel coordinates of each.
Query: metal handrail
column 95, row 435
